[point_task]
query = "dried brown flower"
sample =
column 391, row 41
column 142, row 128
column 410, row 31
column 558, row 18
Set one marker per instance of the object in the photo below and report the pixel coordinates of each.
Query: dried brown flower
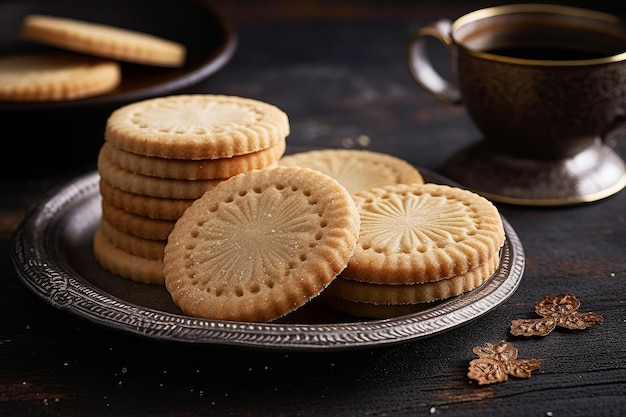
column 555, row 311
column 497, row 362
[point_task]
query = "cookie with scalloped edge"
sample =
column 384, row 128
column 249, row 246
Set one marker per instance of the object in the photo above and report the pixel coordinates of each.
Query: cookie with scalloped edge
column 132, row 182
column 423, row 292
column 103, row 40
column 423, row 232
column 372, row 311
column 196, row 126
column 356, row 169
column 55, row 76
column 140, row 226
column 125, row 264
column 260, row 244
column 187, row 169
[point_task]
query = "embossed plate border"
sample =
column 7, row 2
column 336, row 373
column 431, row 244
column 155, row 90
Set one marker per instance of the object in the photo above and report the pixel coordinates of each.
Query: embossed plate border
column 40, row 255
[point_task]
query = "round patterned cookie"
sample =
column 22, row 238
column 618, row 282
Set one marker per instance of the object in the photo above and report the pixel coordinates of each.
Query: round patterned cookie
column 124, row 264
column 372, row 311
column 187, row 169
column 423, row 232
column 424, row 292
column 132, row 182
column 140, row 226
column 103, row 40
column 260, row 244
column 357, row 170
column 142, row 205
column 138, row 246
column 55, row 76
column 196, row 126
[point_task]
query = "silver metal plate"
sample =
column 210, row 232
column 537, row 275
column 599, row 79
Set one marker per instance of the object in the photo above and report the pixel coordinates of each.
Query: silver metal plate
column 52, row 253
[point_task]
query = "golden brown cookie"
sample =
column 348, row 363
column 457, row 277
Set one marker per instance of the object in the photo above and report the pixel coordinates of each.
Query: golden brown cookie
column 372, row 311
column 140, row 226
column 424, row 292
column 356, row 170
column 196, row 126
column 144, row 248
column 142, row 205
column 124, row 264
column 260, row 244
column 187, row 169
column 55, row 76
column 151, row 186
column 423, row 232
column 103, row 40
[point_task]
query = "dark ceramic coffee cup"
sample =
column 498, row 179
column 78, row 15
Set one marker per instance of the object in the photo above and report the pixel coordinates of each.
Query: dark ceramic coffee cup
column 546, row 85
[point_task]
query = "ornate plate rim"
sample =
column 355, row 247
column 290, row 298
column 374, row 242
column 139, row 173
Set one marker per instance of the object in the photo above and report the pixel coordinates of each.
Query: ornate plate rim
column 35, row 261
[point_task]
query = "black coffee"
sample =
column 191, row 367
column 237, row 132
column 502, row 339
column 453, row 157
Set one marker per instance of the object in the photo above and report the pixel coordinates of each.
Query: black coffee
column 545, row 53
column 544, row 36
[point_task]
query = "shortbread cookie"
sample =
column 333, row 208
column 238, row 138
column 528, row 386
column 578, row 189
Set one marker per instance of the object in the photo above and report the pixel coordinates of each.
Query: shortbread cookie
column 423, row 232
column 103, row 40
column 187, row 169
column 151, row 186
column 357, row 170
column 140, row 226
column 144, row 248
column 373, row 311
column 125, row 265
column 142, row 205
column 55, row 76
column 260, row 244
column 196, row 126
column 425, row 292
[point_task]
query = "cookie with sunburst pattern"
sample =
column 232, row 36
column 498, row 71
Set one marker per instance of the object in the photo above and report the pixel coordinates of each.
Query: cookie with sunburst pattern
column 413, row 233
column 260, row 244
column 196, row 126
column 403, row 294
column 356, row 169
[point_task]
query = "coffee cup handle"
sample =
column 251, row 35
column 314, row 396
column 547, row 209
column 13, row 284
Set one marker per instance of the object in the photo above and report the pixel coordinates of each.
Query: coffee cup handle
column 421, row 66
column 617, row 130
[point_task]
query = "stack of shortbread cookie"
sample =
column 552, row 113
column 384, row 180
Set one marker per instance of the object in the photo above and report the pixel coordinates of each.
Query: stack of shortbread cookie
column 418, row 243
column 162, row 154
column 198, row 196
column 261, row 244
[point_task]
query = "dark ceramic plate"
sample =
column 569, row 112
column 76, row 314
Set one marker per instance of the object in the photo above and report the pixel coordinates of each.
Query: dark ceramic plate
column 52, row 252
column 210, row 41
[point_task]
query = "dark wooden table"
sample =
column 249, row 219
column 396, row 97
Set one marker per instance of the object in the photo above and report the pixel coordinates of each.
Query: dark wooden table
column 338, row 70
